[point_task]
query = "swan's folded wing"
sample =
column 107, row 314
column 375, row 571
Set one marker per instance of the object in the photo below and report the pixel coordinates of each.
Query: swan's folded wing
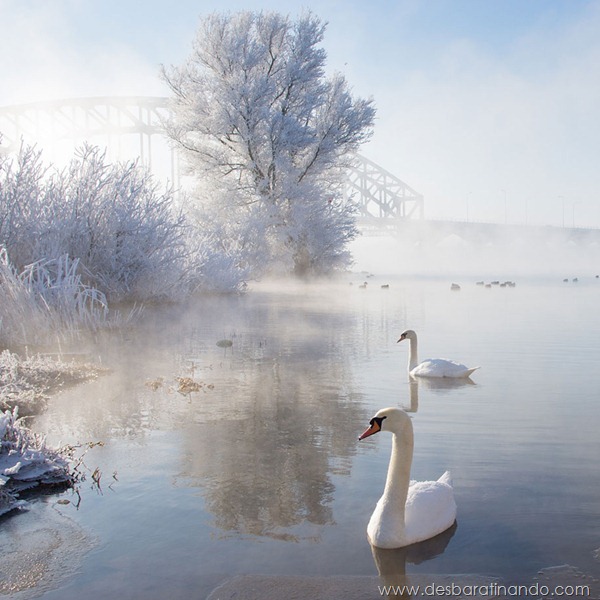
column 430, row 509
column 441, row 367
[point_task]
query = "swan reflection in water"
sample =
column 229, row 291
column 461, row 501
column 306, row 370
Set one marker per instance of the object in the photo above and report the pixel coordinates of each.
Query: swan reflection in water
column 413, row 390
column 391, row 563
column 440, row 385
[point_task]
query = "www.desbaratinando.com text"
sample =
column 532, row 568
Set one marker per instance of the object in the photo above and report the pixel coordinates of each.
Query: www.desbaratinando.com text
column 535, row 590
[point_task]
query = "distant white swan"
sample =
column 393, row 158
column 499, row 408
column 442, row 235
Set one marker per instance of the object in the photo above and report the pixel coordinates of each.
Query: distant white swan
column 409, row 511
column 432, row 367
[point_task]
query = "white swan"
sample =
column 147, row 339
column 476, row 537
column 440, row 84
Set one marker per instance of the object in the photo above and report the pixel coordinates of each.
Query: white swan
column 409, row 511
column 432, row 367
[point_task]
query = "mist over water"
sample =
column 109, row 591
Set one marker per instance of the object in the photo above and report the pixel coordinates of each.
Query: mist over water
column 258, row 469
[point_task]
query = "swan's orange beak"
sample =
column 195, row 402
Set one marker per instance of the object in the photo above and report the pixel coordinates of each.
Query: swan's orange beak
column 370, row 431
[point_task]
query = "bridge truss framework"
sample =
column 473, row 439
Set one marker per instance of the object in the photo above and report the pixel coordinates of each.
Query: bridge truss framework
column 382, row 197
column 131, row 127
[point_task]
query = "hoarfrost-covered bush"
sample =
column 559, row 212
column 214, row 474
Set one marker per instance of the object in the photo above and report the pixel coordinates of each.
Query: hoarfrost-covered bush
column 218, row 271
column 116, row 222
column 21, row 200
column 222, row 251
column 129, row 241
column 95, row 232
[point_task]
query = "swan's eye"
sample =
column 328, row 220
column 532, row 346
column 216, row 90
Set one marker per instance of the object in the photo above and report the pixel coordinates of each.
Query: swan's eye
column 377, row 420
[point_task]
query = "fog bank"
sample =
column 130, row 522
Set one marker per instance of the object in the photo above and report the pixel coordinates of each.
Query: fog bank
column 430, row 248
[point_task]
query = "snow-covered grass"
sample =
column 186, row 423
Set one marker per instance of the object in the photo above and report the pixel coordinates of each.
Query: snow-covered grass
column 47, row 299
column 28, row 382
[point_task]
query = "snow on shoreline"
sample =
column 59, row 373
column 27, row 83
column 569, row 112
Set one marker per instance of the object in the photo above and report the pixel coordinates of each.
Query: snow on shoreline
column 28, row 382
column 26, row 461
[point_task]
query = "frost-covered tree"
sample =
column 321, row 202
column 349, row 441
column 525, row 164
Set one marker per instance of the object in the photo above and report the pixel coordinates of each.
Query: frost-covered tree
column 270, row 136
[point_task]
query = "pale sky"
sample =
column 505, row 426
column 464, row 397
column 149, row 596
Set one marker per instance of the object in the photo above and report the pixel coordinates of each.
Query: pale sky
column 489, row 108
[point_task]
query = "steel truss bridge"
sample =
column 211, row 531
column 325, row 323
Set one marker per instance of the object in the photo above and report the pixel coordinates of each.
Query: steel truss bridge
column 131, row 127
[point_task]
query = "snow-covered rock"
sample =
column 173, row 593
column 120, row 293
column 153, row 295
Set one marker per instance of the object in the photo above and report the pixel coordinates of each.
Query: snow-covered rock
column 26, row 462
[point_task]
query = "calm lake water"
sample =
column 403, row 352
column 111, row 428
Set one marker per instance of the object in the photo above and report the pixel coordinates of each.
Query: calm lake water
column 260, row 471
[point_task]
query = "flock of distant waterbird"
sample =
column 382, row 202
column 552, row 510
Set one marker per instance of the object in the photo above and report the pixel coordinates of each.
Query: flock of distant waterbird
column 456, row 287
column 576, row 279
column 503, row 284
column 512, row 284
column 364, row 284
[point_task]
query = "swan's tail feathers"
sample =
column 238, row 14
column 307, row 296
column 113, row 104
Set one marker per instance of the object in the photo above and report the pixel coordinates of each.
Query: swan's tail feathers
column 446, row 478
column 469, row 372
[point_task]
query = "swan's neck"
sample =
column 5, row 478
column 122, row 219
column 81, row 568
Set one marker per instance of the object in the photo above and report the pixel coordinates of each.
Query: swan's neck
column 387, row 527
column 413, row 361
column 398, row 476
